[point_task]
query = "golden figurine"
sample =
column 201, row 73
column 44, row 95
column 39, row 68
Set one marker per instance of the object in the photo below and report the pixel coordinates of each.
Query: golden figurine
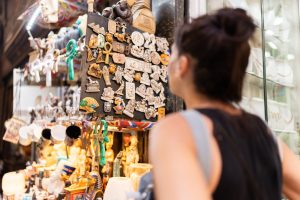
column 99, row 57
column 132, row 155
column 95, row 71
column 109, row 155
column 90, row 56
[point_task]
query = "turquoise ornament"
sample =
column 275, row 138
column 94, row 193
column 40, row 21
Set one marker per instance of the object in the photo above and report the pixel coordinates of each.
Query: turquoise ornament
column 71, row 53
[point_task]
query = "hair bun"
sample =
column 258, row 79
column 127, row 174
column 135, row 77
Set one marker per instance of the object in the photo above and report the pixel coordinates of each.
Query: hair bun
column 235, row 23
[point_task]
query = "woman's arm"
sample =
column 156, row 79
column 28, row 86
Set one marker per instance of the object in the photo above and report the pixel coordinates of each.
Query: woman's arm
column 291, row 173
column 177, row 172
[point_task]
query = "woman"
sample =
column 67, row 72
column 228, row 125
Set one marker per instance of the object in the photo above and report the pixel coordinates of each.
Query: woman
column 223, row 152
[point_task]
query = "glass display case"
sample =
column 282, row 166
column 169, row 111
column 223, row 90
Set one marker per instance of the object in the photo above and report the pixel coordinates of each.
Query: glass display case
column 271, row 88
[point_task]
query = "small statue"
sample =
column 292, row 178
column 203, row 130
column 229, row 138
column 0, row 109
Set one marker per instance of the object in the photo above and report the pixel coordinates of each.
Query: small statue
column 132, row 155
column 143, row 18
column 109, row 155
column 120, row 12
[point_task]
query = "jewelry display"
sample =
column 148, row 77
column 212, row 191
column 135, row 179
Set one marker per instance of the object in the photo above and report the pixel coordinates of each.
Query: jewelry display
column 141, row 91
column 94, row 42
column 155, row 58
column 120, row 105
column 130, row 90
column 107, row 51
column 137, row 51
column 120, row 89
column 145, row 79
column 107, row 107
column 118, row 58
column 129, row 108
column 92, row 86
column 108, row 94
column 118, row 47
column 95, row 71
column 105, row 72
column 118, row 75
column 137, row 38
column 112, row 26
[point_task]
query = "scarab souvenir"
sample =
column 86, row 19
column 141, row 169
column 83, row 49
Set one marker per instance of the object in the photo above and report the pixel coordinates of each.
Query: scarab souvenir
column 109, row 37
column 164, row 59
column 130, row 90
column 100, row 57
column 92, row 86
column 128, row 75
column 118, row 47
column 120, row 89
column 108, row 94
column 120, row 105
column 88, row 104
column 137, row 51
column 155, row 58
column 112, row 68
column 112, row 26
column 107, row 51
column 118, row 75
column 141, row 91
column 107, row 107
column 94, row 42
column 147, row 56
column 137, row 77
column 145, row 79
column 162, row 44
column 90, row 56
column 118, row 58
column 129, row 109
column 105, row 72
column 95, row 71
column 150, row 41
column 150, row 112
column 101, row 40
column 141, row 106
column 137, row 38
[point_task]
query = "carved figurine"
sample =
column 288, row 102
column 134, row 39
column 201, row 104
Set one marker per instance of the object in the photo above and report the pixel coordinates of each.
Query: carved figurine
column 119, row 108
column 92, row 86
column 120, row 12
column 109, row 155
column 95, row 71
column 132, row 154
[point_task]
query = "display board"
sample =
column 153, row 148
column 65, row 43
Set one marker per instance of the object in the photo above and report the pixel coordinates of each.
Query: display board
column 124, row 70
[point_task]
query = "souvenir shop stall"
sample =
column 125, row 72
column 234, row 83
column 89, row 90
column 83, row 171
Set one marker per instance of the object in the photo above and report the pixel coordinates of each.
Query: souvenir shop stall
column 90, row 141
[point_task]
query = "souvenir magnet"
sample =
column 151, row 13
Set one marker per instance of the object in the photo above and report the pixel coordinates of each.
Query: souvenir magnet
column 107, row 51
column 127, row 50
column 120, row 89
column 161, row 113
column 164, row 74
column 158, row 103
column 95, row 71
column 90, row 56
column 99, row 57
column 155, row 58
column 99, row 30
column 156, row 86
column 118, row 58
column 118, row 75
column 101, row 40
column 155, row 75
column 128, row 38
column 107, row 107
column 137, row 65
column 164, row 59
column 120, row 37
column 141, row 106
column 147, row 56
column 112, row 68
column 150, row 112
column 137, row 77
column 118, row 47
column 93, row 42
column 92, row 86
column 89, row 104
column 129, row 109
column 128, row 75
column 119, row 108
column 145, row 79
column 109, row 37
column 112, row 26
column 150, row 41
column 105, row 72
column 162, row 44
column 130, row 90
column 141, row 91
column 137, row 38
column 108, row 94
column 137, row 51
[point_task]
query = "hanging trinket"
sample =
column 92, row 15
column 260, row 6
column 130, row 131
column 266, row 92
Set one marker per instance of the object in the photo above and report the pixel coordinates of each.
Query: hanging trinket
column 118, row 58
column 118, row 47
column 107, row 107
column 141, row 106
column 92, row 86
column 137, row 38
column 127, row 50
column 164, row 59
column 109, row 37
column 145, row 79
column 137, row 77
column 107, row 52
column 108, row 94
column 120, row 89
column 95, row 71
column 90, row 56
column 137, row 51
column 112, row 26
column 119, row 108
column 141, row 91
column 156, row 86
column 155, row 58
column 100, row 57
column 94, row 42
column 150, row 113
column 112, row 68
column 147, row 56
column 130, row 90
column 162, row 45
column 105, row 72
column 120, row 37
column 101, row 40
column 128, row 75
column 129, row 109
column 118, row 75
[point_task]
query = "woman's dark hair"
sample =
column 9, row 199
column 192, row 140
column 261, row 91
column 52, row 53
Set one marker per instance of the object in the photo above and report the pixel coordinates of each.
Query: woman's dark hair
column 219, row 44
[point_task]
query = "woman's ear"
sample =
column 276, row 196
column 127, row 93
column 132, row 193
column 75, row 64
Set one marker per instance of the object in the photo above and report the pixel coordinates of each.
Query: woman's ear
column 183, row 66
